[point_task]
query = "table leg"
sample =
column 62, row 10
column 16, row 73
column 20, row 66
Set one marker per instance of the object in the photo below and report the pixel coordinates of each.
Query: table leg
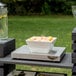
column 5, row 69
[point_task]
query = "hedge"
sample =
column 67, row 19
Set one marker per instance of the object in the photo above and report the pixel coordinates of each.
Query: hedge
column 40, row 7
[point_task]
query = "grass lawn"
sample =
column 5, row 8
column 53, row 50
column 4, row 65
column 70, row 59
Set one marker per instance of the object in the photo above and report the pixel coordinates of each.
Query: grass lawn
column 23, row 27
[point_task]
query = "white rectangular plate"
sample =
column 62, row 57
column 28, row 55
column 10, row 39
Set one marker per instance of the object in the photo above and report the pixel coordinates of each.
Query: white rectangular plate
column 24, row 53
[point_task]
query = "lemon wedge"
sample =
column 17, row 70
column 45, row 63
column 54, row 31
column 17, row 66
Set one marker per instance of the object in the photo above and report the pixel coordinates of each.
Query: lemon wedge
column 50, row 38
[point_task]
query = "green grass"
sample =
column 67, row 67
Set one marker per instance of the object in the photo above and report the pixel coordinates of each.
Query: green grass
column 23, row 27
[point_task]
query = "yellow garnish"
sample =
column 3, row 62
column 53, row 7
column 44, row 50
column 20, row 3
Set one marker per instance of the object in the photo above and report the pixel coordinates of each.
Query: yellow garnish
column 5, row 15
column 0, row 17
column 50, row 38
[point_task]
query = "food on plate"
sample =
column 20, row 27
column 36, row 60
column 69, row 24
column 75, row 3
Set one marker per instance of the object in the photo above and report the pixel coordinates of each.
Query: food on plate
column 41, row 38
column 41, row 44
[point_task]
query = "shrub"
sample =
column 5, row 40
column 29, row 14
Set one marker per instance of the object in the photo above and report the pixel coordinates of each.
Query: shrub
column 26, row 7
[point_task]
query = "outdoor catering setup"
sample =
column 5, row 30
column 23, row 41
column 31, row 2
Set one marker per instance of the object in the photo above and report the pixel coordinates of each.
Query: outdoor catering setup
column 40, row 48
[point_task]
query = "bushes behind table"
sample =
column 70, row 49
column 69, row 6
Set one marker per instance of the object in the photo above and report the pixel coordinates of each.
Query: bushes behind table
column 40, row 7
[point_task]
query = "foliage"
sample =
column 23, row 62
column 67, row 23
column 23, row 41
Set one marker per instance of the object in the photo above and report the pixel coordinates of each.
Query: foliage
column 46, row 8
column 28, row 7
